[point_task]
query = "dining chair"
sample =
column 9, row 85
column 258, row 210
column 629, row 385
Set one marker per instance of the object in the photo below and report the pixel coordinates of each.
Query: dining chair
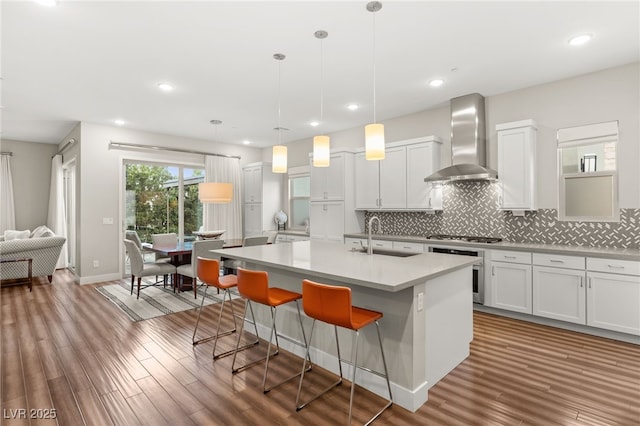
column 200, row 249
column 231, row 266
column 133, row 236
column 141, row 269
column 169, row 239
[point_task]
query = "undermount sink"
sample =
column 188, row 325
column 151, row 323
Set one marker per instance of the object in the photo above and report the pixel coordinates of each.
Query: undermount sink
column 389, row 252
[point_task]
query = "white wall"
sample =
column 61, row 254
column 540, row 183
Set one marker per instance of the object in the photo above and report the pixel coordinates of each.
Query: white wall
column 31, row 175
column 101, row 184
column 612, row 94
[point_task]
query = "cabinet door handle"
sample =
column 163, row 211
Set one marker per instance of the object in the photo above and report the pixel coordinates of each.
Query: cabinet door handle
column 429, row 202
column 493, row 271
column 581, row 282
column 324, row 207
column 556, row 261
column 589, row 282
column 509, row 257
column 615, row 266
column 500, row 200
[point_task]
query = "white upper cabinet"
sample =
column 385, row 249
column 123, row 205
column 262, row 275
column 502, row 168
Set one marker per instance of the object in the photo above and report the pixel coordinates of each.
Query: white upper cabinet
column 393, row 179
column 517, row 164
column 332, row 207
column 262, row 198
column 397, row 182
column 252, row 183
column 367, row 183
column 328, row 183
column 423, row 159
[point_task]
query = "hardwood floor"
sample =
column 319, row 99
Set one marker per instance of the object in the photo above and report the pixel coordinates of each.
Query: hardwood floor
column 67, row 348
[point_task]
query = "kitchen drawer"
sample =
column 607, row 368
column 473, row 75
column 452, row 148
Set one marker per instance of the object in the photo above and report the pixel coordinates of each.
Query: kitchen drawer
column 380, row 244
column 614, row 266
column 408, row 246
column 558, row 261
column 511, row 256
column 354, row 242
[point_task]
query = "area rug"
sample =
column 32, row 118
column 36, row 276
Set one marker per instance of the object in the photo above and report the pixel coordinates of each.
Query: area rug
column 154, row 301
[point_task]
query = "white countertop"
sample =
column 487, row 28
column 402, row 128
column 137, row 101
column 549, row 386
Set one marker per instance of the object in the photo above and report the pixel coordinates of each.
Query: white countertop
column 606, row 252
column 336, row 261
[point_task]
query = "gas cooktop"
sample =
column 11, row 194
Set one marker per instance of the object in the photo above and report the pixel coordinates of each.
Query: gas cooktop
column 472, row 239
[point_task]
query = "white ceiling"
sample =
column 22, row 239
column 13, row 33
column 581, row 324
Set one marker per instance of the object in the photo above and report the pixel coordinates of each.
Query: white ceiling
column 99, row 61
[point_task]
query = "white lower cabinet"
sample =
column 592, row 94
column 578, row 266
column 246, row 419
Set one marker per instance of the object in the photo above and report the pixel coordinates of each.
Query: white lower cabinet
column 327, row 221
column 289, row 238
column 511, row 287
column 613, row 302
column 559, row 294
column 511, row 284
column 253, row 219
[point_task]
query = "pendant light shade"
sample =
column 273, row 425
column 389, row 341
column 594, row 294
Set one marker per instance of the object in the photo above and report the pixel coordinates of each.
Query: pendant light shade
column 374, row 141
column 279, row 163
column 279, row 156
column 215, row 192
column 321, row 144
column 374, row 133
column 321, row 151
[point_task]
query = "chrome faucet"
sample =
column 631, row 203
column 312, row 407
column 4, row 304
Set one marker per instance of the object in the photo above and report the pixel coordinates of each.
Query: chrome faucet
column 369, row 245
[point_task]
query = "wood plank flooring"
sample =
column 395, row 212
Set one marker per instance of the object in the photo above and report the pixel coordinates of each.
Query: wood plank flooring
column 65, row 347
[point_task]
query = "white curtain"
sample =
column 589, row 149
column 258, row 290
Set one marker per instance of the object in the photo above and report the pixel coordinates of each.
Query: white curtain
column 7, row 214
column 56, row 220
column 224, row 216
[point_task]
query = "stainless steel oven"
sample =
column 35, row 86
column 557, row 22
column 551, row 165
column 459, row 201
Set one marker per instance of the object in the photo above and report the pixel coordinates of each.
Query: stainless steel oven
column 478, row 268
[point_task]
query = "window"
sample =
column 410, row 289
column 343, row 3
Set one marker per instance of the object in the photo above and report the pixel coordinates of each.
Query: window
column 161, row 199
column 588, row 178
column 299, row 195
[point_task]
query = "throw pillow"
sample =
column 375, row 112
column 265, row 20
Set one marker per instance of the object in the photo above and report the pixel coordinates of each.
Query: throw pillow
column 10, row 234
column 41, row 231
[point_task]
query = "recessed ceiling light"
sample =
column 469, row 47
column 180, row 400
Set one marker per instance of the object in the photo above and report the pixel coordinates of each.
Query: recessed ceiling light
column 579, row 40
column 246, row 142
column 165, row 87
column 119, row 122
column 353, row 107
column 436, row 83
column 314, row 124
column 48, row 2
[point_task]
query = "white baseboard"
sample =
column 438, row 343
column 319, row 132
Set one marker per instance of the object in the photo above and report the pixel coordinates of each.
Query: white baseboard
column 93, row 279
column 406, row 398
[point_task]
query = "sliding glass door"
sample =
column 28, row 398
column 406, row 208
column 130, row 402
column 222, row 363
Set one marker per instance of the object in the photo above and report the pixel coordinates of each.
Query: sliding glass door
column 162, row 198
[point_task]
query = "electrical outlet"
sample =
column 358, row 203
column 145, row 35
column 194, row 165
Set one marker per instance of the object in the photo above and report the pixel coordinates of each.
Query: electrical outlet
column 96, row 263
column 420, row 301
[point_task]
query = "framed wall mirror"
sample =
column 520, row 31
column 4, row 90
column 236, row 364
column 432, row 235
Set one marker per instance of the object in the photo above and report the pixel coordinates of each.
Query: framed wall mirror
column 587, row 173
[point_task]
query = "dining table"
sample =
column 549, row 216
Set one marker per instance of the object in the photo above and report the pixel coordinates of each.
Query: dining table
column 180, row 254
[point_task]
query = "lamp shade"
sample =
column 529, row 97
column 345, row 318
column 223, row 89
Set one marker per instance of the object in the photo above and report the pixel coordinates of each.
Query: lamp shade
column 321, row 151
column 374, row 141
column 279, row 162
column 215, row 192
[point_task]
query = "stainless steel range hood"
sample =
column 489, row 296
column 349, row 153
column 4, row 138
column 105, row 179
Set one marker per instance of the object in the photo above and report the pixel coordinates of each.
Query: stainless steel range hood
column 468, row 144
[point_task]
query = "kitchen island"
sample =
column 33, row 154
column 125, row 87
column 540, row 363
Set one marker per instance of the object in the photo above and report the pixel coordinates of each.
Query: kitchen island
column 426, row 300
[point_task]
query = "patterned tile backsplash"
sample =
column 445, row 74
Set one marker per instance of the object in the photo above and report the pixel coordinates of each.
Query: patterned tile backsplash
column 472, row 208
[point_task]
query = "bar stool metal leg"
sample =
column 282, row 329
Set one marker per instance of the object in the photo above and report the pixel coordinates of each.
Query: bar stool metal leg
column 328, row 388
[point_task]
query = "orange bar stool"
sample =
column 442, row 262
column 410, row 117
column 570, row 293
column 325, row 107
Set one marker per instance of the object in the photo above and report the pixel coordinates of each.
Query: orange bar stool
column 332, row 305
column 208, row 271
column 254, row 287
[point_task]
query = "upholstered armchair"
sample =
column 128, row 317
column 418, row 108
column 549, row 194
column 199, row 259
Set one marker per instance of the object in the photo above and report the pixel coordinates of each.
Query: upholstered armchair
column 44, row 251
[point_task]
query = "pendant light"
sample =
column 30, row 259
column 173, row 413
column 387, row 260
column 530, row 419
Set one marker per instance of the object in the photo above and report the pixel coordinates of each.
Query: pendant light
column 321, row 143
column 279, row 161
column 374, row 133
column 215, row 192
